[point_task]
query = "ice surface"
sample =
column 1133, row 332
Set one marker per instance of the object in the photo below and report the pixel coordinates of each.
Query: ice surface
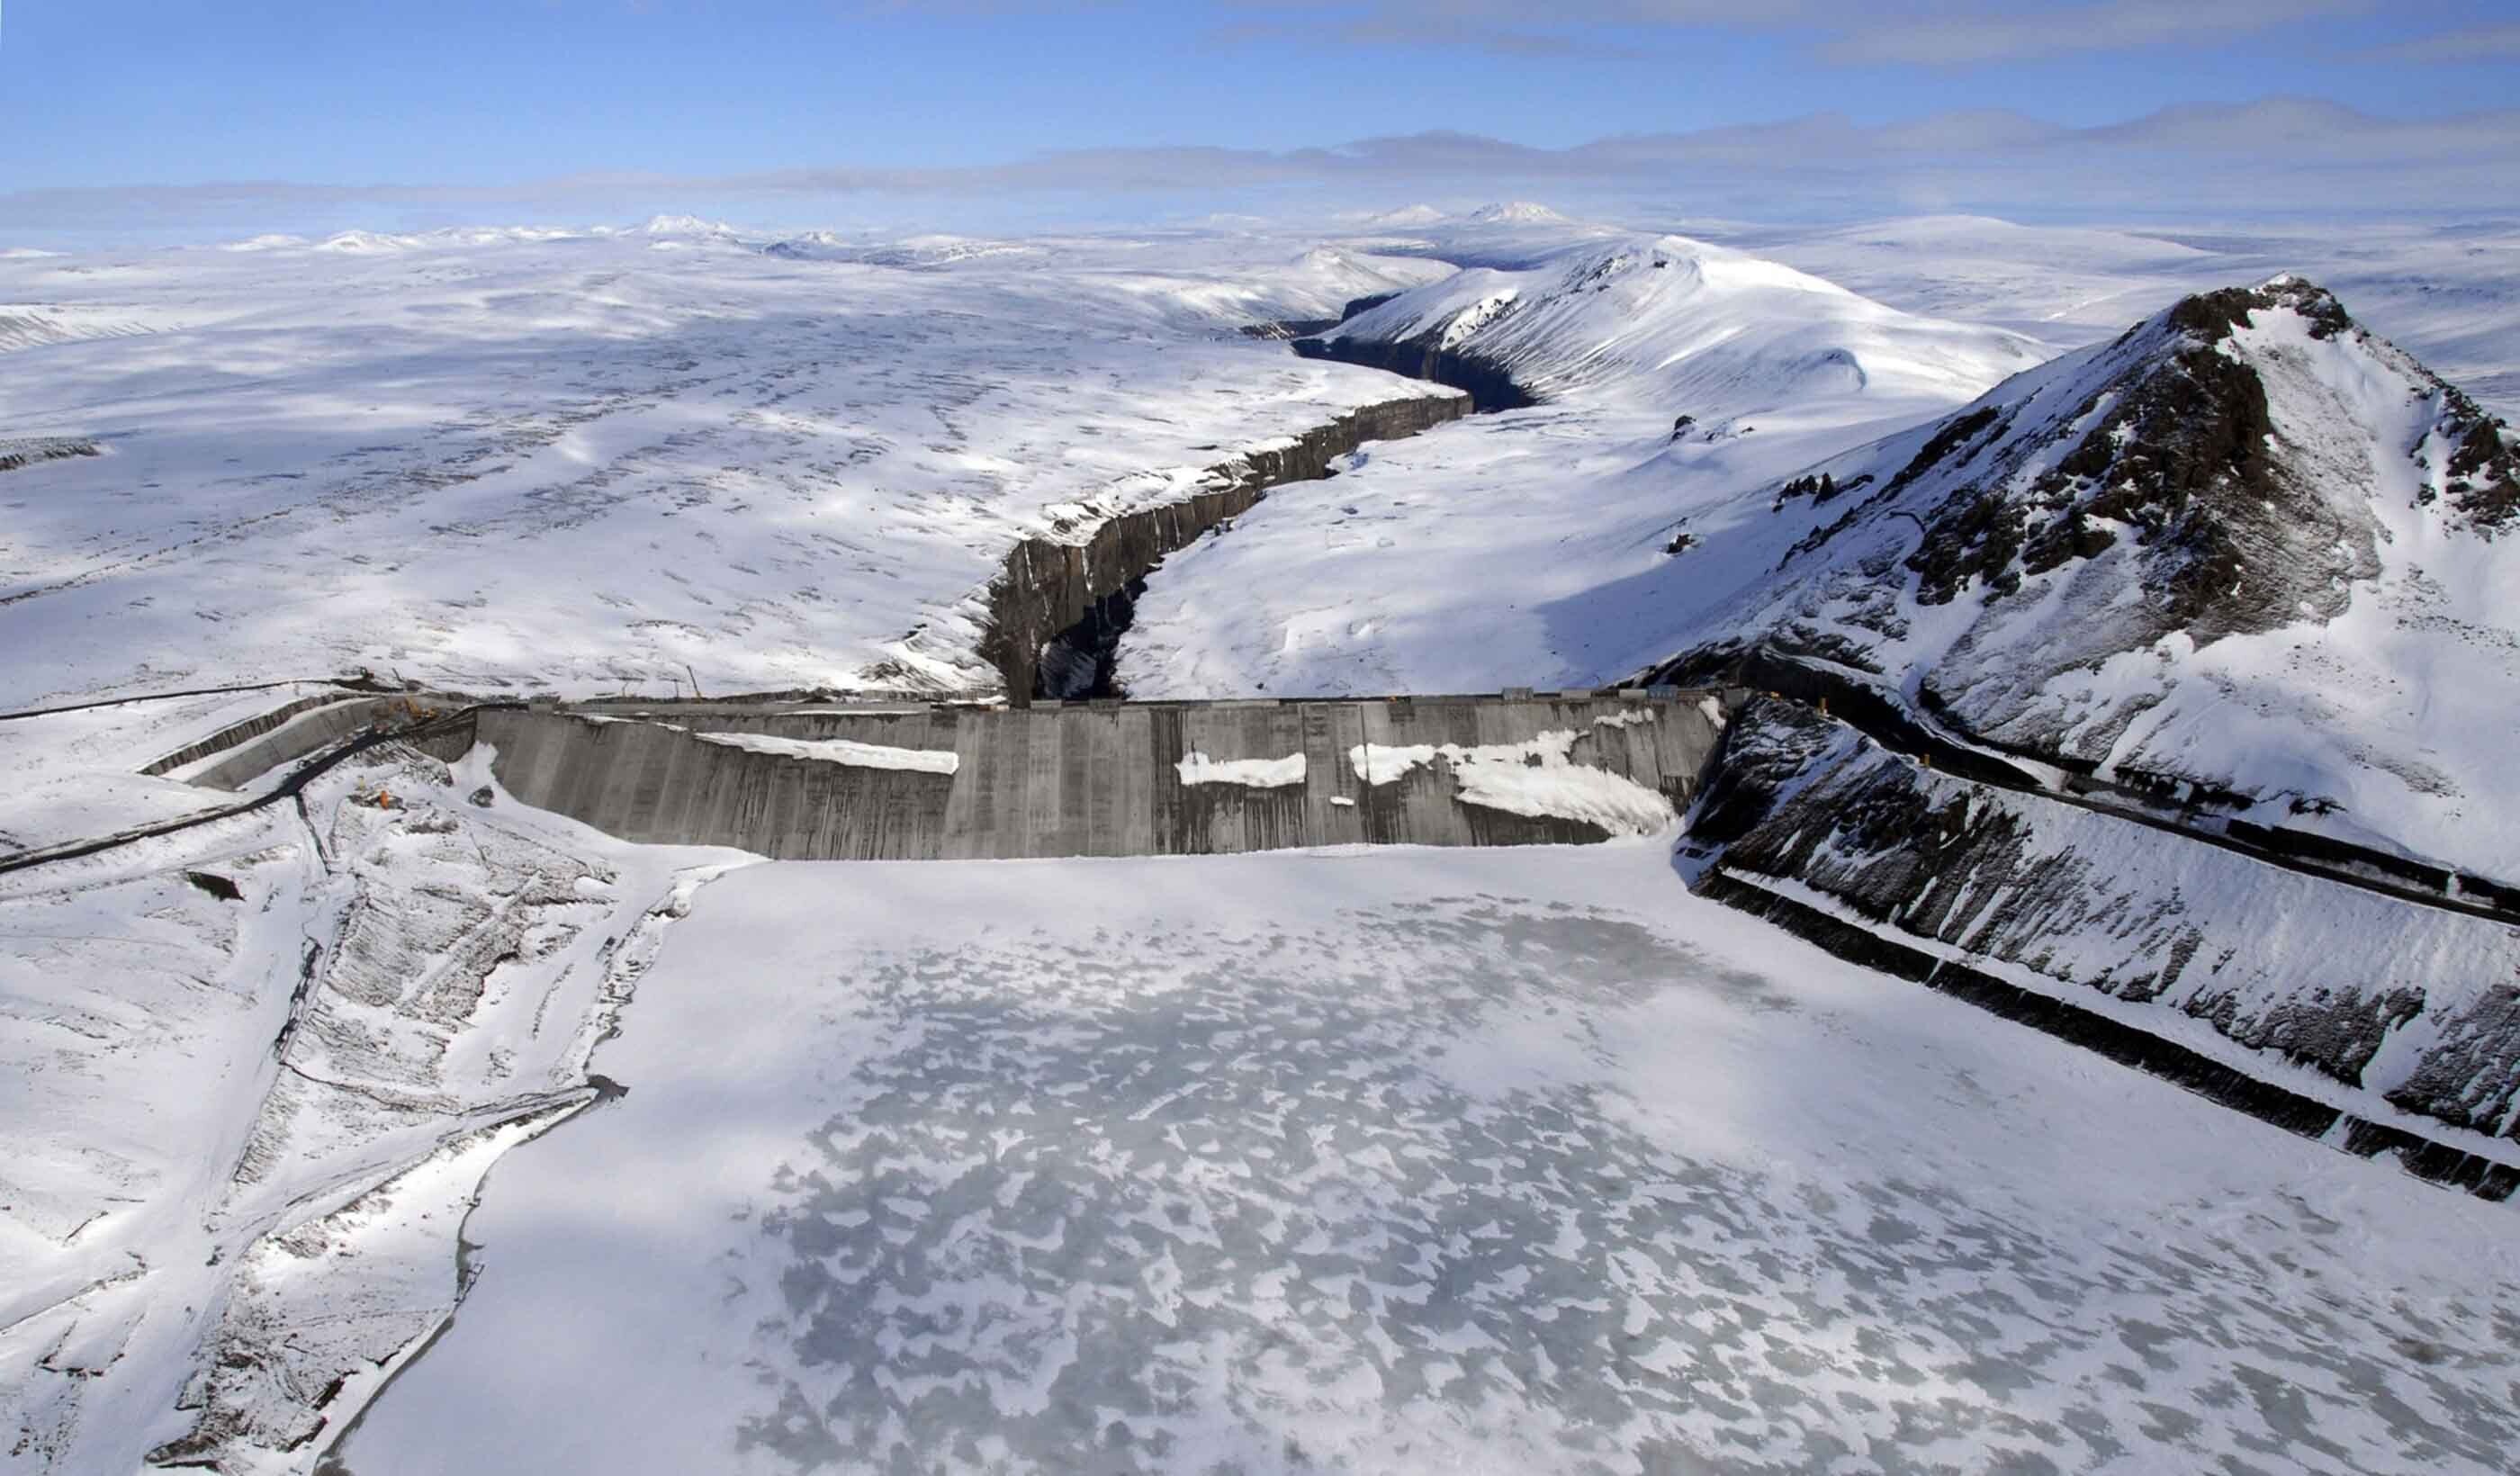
column 1416, row 1161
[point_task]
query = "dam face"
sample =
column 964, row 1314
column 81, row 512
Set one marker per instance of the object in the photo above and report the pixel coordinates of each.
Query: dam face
column 1114, row 779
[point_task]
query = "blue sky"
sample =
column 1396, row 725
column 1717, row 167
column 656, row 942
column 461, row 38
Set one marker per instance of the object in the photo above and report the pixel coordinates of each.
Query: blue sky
column 531, row 101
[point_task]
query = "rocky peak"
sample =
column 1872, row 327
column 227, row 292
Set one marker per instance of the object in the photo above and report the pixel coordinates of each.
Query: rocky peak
column 2170, row 445
column 2142, row 556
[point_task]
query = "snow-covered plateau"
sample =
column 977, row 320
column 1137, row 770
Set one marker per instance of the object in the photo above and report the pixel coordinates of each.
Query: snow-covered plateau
column 1372, row 1159
column 577, row 462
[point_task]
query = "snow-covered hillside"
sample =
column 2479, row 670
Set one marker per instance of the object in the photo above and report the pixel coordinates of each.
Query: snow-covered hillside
column 1700, row 329
column 490, row 459
column 1476, row 557
column 2392, row 1010
column 251, row 1075
column 2246, row 545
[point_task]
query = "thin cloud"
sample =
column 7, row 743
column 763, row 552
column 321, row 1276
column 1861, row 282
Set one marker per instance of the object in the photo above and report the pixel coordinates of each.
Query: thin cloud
column 1941, row 33
column 2276, row 157
column 2475, row 43
column 1980, row 36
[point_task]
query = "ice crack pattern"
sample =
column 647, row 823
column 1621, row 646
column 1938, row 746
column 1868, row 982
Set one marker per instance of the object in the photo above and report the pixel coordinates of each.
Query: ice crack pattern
column 1173, row 1214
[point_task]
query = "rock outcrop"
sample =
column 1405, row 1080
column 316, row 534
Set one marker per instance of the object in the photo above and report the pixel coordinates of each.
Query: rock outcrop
column 2408, row 1005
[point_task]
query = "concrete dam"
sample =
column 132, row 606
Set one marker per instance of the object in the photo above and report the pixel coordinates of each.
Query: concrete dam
column 913, row 782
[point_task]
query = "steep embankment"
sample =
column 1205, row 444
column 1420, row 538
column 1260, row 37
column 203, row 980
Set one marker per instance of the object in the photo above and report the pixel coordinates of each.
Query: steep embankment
column 2246, row 552
column 2408, row 1009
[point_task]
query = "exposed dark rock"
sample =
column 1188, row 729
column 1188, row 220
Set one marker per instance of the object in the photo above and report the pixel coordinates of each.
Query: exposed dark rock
column 1082, row 660
column 2484, row 474
column 18, row 454
column 2152, row 492
column 1819, row 489
column 2439, row 1163
column 1923, row 855
column 1825, row 677
column 1047, row 588
column 1954, row 434
column 1289, row 327
column 216, row 885
column 1491, row 386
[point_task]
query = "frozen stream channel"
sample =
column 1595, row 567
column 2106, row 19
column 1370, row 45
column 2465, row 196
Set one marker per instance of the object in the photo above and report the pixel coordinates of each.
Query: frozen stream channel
column 1452, row 1161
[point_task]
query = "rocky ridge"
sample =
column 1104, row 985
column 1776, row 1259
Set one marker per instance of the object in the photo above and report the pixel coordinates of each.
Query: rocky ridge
column 2222, row 552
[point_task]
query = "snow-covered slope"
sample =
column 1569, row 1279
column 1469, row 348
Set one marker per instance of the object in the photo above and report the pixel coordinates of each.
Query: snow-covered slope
column 33, row 325
column 251, row 1075
column 1700, row 329
column 1520, row 549
column 493, row 458
column 2246, row 545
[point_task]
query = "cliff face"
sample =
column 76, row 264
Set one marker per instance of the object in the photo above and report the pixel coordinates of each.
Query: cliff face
column 1488, row 383
column 1047, row 588
column 2411, row 1005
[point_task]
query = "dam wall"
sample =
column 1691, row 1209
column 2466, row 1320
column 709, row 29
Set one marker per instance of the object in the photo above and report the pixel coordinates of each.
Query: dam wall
column 1114, row 779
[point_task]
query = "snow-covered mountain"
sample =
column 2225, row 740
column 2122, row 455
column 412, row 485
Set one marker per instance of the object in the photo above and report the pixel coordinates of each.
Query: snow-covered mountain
column 2245, row 544
column 1667, row 320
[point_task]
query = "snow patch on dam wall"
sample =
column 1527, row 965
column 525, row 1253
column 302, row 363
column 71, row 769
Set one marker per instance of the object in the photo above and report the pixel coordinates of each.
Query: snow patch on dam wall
column 1102, row 779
